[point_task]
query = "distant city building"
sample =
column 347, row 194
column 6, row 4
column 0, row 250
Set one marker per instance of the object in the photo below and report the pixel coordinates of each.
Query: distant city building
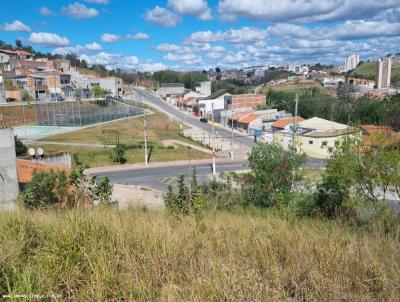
column 351, row 62
column 204, row 88
column 383, row 73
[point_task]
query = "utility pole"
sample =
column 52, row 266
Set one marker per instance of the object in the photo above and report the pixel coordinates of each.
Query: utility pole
column 232, row 131
column 213, row 147
column 295, row 121
column 145, row 137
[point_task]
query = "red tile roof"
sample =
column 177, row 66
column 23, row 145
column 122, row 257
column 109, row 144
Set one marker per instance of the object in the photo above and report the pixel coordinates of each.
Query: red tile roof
column 249, row 118
column 283, row 122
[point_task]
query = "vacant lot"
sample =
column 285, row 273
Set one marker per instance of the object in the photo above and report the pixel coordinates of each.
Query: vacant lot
column 132, row 255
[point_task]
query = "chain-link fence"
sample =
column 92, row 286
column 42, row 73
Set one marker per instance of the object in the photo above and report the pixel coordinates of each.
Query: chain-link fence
column 75, row 114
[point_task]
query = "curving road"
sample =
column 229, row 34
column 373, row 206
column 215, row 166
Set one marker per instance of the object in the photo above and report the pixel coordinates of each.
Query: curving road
column 246, row 141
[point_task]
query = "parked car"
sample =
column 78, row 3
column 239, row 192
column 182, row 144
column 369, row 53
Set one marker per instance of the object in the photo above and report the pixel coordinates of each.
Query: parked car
column 204, row 120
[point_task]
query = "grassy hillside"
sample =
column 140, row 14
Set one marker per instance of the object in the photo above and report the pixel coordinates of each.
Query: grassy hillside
column 105, row 255
column 368, row 71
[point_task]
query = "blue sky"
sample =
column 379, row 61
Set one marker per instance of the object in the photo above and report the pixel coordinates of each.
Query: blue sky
column 194, row 34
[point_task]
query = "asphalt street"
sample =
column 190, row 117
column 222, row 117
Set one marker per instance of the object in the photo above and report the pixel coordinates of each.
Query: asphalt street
column 160, row 177
column 246, row 141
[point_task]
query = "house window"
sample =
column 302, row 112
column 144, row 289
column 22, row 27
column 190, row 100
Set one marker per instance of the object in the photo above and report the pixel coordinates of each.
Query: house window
column 324, row 143
column 311, row 142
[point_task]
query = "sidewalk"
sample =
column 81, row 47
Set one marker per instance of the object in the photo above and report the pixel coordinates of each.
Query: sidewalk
column 141, row 166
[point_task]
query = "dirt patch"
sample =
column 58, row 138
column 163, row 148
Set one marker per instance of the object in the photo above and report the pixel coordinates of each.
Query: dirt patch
column 137, row 196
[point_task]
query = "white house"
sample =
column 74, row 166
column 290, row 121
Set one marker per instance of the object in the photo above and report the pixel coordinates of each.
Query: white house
column 214, row 101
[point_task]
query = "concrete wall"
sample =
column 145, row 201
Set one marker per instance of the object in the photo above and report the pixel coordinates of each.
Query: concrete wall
column 2, row 91
column 8, row 170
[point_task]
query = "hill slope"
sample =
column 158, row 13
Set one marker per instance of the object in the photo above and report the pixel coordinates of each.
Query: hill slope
column 368, row 71
column 136, row 255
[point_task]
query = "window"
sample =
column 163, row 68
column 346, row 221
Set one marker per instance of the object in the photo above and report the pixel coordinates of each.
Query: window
column 324, row 143
column 311, row 142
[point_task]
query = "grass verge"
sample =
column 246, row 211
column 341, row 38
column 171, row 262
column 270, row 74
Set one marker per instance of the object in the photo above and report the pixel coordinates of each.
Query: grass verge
column 97, row 157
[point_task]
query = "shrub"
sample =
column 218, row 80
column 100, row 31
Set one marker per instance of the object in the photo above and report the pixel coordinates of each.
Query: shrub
column 20, row 148
column 46, row 189
column 274, row 173
column 58, row 189
column 118, row 153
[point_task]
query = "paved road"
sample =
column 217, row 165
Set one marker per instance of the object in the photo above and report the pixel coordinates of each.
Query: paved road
column 160, row 177
column 247, row 141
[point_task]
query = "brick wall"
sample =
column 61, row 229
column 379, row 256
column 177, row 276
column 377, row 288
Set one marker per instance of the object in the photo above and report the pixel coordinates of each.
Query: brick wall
column 247, row 101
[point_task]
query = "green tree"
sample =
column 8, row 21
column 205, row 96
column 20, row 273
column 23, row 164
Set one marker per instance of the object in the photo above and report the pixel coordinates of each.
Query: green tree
column 118, row 154
column 46, row 189
column 98, row 92
column 20, row 148
column 102, row 190
column 274, row 174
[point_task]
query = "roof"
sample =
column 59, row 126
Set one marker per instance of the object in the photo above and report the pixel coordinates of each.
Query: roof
column 16, row 52
column 283, row 122
column 215, row 95
column 371, row 129
column 172, row 85
column 239, row 116
column 320, row 124
column 249, row 118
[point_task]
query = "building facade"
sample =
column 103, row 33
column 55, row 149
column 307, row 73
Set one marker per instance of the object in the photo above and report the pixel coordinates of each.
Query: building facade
column 351, row 62
column 383, row 73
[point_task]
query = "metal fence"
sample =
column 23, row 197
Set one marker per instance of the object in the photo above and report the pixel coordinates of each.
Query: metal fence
column 75, row 114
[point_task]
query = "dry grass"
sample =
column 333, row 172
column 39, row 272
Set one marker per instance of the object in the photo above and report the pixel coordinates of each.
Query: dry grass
column 14, row 115
column 98, row 157
column 159, row 126
column 106, row 255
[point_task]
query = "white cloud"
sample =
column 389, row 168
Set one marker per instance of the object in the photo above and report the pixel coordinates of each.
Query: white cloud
column 188, row 59
column 44, row 11
column 79, row 11
column 93, row 46
column 166, row 47
column 138, row 36
column 162, row 17
column 110, row 38
column 98, row 1
column 44, row 39
column 303, row 10
column 242, row 35
column 15, row 26
column 112, row 61
column 359, row 29
column 197, row 8
column 152, row 67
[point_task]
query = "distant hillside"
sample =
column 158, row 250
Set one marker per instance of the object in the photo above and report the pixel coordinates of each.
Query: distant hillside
column 368, row 71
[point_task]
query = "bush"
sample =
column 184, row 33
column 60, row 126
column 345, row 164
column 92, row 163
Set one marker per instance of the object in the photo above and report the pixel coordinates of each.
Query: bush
column 20, row 148
column 58, row 189
column 118, row 153
column 274, row 174
column 47, row 189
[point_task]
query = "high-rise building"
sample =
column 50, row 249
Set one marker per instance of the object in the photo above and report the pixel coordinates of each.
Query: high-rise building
column 351, row 62
column 383, row 73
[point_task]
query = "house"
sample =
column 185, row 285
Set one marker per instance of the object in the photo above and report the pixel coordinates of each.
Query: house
column 112, row 84
column 319, row 137
column 262, row 124
column 203, row 88
column 214, row 101
column 285, row 123
column 13, row 58
column 171, row 89
column 245, row 101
